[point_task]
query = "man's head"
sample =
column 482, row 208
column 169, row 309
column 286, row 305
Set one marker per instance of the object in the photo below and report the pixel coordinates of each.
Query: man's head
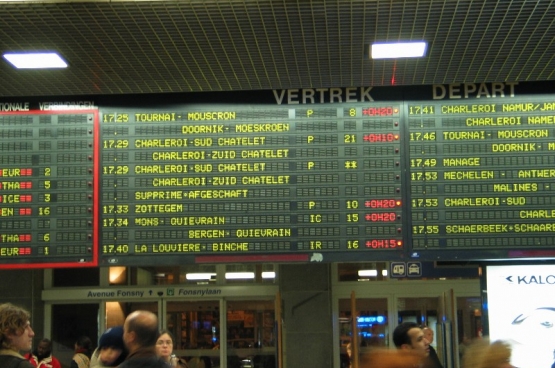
column 409, row 336
column 428, row 334
column 44, row 348
column 140, row 330
column 15, row 328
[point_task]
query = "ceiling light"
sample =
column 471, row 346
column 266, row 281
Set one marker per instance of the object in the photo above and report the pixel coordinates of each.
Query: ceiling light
column 239, row 275
column 116, row 273
column 200, row 276
column 35, row 60
column 368, row 273
column 268, row 274
column 394, row 50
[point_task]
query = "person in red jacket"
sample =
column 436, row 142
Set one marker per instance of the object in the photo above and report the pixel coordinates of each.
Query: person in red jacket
column 42, row 357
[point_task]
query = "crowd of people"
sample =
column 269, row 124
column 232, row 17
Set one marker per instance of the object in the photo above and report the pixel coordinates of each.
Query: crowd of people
column 136, row 344
column 414, row 350
column 139, row 344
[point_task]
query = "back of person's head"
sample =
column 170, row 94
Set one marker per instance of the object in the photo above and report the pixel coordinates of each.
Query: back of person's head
column 401, row 333
column 145, row 326
column 428, row 333
column 482, row 354
column 84, row 344
column 13, row 321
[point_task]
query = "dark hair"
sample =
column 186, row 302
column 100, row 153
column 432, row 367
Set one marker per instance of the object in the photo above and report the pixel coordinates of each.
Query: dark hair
column 401, row 333
column 85, row 344
column 166, row 332
column 47, row 341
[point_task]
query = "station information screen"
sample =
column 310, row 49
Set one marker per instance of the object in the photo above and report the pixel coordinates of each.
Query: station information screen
column 47, row 185
column 330, row 175
column 482, row 175
column 250, row 181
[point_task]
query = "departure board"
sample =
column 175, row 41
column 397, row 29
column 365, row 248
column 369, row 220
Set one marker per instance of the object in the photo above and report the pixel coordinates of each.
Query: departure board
column 482, row 175
column 264, row 182
column 355, row 174
column 47, row 188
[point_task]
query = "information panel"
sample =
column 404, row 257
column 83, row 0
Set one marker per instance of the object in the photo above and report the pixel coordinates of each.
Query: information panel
column 264, row 183
column 482, row 175
column 47, row 189
column 454, row 172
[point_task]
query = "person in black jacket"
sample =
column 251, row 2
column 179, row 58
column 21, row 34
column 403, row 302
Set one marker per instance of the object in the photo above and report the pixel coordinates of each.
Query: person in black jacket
column 16, row 335
column 433, row 359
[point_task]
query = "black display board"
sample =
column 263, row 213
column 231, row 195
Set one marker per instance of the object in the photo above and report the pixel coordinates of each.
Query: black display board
column 48, row 177
column 221, row 183
column 453, row 172
column 482, row 177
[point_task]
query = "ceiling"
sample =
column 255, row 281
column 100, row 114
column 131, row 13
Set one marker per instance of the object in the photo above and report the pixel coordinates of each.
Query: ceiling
column 128, row 47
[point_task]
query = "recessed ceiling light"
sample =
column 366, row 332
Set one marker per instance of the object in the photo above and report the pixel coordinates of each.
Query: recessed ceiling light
column 35, row 60
column 394, row 50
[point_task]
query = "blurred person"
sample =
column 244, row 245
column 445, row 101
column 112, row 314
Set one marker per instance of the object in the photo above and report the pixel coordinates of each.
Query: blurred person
column 140, row 333
column 387, row 358
column 111, row 350
column 409, row 336
column 482, row 354
column 164, row 350
column 16, row 335
column 42, row 357
column 463, row 345
column 82, row 356
column 433, row 359
column 349, row 352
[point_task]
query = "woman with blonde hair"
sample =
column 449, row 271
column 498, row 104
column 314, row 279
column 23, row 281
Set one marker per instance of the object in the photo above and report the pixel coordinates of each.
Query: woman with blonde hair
column 16, row 335
column 482, row 354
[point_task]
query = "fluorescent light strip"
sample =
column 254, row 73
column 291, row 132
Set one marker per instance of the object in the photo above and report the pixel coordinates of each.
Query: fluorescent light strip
column 268, row 274
column 239, row 275
column 199, row 276
column 394, row 50
column 35, row 60
column 368, row 273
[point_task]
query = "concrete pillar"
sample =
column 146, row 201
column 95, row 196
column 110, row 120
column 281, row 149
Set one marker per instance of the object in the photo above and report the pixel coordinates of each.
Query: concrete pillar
column 307, row 315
